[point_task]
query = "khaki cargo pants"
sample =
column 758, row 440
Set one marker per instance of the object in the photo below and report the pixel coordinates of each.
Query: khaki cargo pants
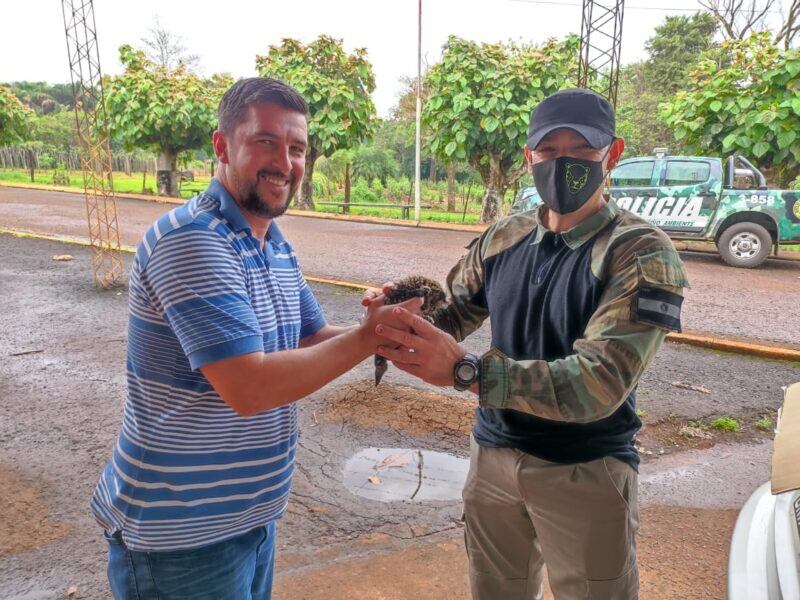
column 522, row 513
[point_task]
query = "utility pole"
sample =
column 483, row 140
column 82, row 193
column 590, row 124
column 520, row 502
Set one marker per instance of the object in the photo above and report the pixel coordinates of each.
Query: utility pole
column 92, row 121
column 601, row 41
column 419, row 114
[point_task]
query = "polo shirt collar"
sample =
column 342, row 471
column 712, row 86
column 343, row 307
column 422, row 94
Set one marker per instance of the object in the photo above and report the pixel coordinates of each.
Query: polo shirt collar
column 274, row 233
column 583, row 231
column 227, row 206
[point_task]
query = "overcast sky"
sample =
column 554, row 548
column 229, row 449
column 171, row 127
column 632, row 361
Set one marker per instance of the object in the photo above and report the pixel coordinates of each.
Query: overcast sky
column 228, row 34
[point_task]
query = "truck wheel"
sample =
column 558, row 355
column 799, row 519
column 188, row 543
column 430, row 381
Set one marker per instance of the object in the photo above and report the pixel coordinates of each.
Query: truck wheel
column 744, row 245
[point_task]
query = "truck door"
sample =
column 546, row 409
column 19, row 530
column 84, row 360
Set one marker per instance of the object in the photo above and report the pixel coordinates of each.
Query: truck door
column 688, row 195
column 633, row 183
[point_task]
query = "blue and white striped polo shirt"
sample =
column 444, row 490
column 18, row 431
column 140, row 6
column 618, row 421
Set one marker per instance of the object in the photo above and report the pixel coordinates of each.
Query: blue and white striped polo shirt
column 187, row 470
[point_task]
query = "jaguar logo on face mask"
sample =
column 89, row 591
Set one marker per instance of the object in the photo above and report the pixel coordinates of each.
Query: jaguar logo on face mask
column 577, row 176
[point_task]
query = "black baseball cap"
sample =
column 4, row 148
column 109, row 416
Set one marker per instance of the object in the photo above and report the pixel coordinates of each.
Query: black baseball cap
column 579, row 109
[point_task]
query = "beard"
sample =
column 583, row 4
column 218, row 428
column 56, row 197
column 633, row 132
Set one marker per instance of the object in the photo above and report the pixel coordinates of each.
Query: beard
column 253, row 202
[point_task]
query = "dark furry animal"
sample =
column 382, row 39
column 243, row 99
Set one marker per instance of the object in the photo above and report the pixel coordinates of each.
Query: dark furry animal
column 405, row 289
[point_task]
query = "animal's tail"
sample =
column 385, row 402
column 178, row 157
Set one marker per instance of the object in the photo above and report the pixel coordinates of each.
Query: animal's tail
column 380, row 368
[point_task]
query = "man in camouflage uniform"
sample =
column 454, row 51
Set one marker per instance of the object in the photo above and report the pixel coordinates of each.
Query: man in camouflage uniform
column 580, row 294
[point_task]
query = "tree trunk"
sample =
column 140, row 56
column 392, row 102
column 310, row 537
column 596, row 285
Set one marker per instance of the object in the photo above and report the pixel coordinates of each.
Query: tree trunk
column 166, row 173
column 451, row 187
column 495, row 190
column 32, row 163
column 305, row 201
column 128, row 164
column 432, row 172
column 347, row 183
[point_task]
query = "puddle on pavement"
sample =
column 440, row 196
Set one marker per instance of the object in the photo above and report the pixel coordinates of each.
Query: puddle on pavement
column 395, row 474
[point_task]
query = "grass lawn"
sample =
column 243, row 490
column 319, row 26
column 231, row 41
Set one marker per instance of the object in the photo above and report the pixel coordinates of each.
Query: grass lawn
column 132, row 184
column 437, row 216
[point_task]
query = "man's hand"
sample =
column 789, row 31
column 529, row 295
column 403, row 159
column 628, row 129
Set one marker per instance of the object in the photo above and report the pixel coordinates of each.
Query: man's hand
column 372, row 294
column 375, row 295
column 422, row 349
column 378, row 313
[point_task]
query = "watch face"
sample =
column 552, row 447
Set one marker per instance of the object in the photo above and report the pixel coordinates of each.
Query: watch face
column 466, row 372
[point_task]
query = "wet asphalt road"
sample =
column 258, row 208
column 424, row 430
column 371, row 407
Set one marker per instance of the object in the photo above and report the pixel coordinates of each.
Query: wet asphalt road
column 61, row 409
column 759, row 304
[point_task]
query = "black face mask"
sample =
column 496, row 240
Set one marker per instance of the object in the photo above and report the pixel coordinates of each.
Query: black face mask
column 565, row 184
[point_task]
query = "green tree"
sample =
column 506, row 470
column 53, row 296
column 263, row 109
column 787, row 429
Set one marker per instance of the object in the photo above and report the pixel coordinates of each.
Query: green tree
column 743, row 97
column 335, row 165
column 43, row 98
column 371, row 163
column 57, row 129
column 337, row 87
column 14, row 118
column 397, row 137
column 165, row 111
column 675, row 48
column 673, row 51
column 481, row 96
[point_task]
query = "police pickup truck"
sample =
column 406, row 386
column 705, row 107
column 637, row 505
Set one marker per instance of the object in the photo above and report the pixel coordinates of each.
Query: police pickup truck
column 695, row 198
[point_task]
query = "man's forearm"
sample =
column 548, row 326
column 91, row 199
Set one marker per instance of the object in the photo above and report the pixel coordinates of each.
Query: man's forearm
column 580, row 388
column 326, row 333
column 260, row 381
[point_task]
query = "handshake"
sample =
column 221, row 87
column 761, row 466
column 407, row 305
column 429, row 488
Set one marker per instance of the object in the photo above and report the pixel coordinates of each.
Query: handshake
column 399, row 320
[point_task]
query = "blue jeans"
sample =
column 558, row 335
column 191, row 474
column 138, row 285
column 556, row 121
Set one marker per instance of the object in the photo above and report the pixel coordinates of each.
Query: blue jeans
column 236, row 569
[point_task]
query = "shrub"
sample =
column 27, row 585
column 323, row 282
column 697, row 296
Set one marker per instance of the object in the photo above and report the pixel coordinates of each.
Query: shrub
column 726, row 424
column 361, row 192
column 764, row 423
column 377, row 187
column 46, row 161
column 398, row 188
column 321, row 184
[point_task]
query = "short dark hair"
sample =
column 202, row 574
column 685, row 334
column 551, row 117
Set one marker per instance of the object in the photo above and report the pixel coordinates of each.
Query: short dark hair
column 256, row 90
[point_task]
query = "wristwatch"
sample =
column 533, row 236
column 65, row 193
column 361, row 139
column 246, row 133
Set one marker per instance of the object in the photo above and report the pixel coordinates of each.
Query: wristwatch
column 466, row 372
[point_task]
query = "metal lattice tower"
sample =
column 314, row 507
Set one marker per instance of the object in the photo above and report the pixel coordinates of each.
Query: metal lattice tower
column 92, row 120
column 601, row 40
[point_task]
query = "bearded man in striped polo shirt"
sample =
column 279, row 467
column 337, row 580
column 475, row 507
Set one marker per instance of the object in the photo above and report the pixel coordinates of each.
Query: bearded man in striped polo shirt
column 224, row 336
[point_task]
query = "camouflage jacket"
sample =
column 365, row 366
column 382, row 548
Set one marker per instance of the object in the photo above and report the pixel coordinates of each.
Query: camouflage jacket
column 638, row 283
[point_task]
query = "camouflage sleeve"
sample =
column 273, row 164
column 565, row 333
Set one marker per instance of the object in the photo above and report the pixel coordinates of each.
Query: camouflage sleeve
column 466, row 309
column 641, row 301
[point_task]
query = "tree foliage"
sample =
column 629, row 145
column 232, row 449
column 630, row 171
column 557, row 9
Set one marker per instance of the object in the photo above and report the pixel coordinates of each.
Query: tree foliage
column 14, row 118
column 481, row 97
column 43, row 98
column 743, row 97
column 152, row 108
column 371, row 163
column 675, row 46
column 673, row 50
column 400, row 131
column 337, row 87
column 57, row 130
column 638, row 100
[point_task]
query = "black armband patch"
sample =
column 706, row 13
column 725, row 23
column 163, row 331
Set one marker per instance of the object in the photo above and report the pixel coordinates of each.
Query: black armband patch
column 658, row 307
